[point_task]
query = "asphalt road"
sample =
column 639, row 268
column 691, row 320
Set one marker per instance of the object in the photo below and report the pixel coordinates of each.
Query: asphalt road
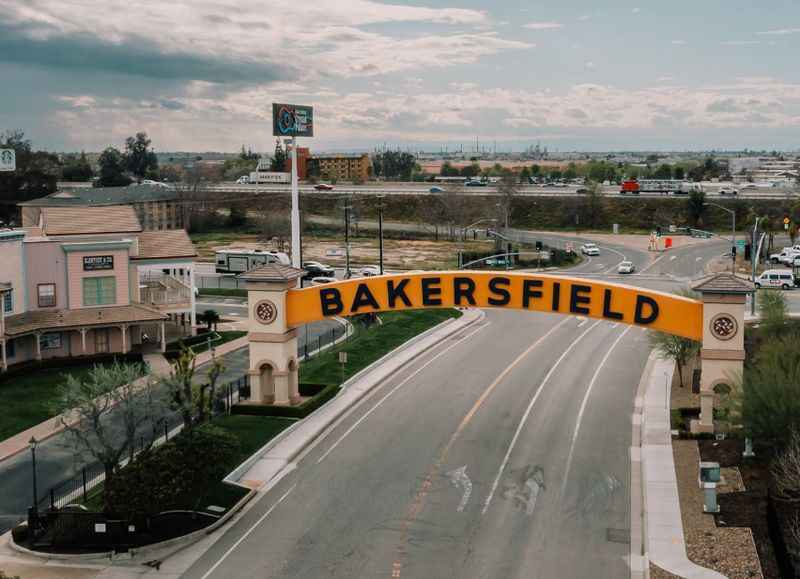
column 500, row 453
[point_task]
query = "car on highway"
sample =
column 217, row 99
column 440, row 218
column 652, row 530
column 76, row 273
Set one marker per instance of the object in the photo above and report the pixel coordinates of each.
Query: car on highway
column 316, row 269
column 731, row 192
column 153, row 183
column 436, row 190
column 321, row 280
column 475, row 183
column 323, row 187
column 626, row 267
column 369, row 271
column 775, row 278
column 243, row 180
column 590, row 249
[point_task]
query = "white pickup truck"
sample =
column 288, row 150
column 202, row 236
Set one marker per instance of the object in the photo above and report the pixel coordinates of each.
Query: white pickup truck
column 786, row 256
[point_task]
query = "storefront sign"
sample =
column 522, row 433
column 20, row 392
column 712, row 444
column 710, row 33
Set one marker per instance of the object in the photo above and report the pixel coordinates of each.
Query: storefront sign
column 98, row 262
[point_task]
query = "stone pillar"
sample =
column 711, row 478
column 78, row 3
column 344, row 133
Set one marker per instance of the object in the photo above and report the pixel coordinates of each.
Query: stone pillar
column 4, row 361
column 163, row 337
column 273, row 344
column 83, row 340
column 38, row 337
column 124, row 331
column 722, row 354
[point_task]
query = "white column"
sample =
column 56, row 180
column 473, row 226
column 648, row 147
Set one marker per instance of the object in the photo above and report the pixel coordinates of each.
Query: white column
column 4, row 360
column 163, row 337
column 38, row 346
column 193, row 301
column 83, row 340
column 295, row 208
column 124, row 330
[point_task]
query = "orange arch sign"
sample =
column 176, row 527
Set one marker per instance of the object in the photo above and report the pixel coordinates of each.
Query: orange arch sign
column 535, row 292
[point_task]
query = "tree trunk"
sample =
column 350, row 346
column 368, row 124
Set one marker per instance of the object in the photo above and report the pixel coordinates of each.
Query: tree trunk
column 680, row 373
column 107, row 484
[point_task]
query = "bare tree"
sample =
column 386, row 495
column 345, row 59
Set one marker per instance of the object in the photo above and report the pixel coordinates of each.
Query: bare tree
column 785, row 470
column 680, row 350
column 86, row 408
column 507, row 190
column 179, row 385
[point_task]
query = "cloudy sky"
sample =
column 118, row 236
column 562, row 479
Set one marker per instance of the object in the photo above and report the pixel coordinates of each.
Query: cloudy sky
column 575, row 74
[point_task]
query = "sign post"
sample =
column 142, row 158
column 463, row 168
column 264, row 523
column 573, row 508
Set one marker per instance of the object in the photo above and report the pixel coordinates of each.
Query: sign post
column 293, row 121
column 8, row 160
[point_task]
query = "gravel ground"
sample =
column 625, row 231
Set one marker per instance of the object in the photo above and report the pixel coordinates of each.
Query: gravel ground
column 730, row 551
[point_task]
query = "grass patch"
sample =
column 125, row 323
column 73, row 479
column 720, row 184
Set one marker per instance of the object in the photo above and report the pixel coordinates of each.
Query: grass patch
column 253, row 432
column 225, row 292
column 27, row 399
column 371, row 344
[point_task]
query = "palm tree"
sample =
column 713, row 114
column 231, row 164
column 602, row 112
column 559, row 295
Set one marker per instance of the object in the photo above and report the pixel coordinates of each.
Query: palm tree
column 210, row 318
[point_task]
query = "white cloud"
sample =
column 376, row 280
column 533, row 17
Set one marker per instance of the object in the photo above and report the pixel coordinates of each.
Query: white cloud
column 636, row 10
column 547, row 25
column 665, row 78
column 678, row 42
column 781, row 31
column 740, row 42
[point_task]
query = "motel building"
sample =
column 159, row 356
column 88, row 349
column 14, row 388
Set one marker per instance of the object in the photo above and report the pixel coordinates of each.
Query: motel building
column 84, row 281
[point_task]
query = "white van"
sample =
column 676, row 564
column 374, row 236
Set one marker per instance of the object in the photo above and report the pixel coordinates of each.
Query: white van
column 776, row 278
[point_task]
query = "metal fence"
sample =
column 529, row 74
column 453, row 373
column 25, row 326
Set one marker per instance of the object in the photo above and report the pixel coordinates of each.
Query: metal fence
column 219, row 281
column 318, row 340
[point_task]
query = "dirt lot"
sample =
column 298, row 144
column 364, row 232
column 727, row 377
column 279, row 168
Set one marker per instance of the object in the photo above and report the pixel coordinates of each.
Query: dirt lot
column 398, row 254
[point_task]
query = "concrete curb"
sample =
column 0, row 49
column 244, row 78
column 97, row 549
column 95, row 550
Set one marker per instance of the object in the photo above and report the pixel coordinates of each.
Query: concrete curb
column 664, row 541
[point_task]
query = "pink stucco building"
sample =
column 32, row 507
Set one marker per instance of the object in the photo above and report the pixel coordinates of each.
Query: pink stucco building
column 82, row 281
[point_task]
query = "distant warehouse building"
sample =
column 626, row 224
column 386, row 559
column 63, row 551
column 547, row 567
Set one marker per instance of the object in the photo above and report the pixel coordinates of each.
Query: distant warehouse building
column 343, row 167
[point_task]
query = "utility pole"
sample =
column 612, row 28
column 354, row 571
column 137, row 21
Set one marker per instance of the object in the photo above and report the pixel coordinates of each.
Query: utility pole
column 754, row 263
column 347, row 240
column 380, row 232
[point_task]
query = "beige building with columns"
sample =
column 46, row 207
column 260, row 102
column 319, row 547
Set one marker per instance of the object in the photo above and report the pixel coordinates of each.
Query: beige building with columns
column 87, row 281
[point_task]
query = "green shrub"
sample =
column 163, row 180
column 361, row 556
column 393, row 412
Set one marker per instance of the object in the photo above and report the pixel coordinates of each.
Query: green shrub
column 174, row 475
column 19, row 534
column 310, row 389
column 300, row 411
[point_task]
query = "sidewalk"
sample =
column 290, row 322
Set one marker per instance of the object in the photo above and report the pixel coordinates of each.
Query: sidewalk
column 664, row 540
column 266, row 466
column 160, row 366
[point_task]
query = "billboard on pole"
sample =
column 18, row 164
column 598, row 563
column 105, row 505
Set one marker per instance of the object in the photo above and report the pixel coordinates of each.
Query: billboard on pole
column 8, row 160
column 292, row 120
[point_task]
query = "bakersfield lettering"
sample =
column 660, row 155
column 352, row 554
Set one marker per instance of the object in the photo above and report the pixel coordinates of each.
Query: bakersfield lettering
column 498, row 291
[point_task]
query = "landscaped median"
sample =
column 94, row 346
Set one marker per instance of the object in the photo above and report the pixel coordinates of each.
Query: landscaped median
column 176, row 488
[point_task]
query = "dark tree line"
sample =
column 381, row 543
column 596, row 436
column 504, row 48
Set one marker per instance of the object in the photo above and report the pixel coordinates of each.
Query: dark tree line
column 397, row 165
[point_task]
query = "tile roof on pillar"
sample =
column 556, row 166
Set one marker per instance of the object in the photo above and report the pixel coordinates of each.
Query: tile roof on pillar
column 724, row 283
column 272, row 272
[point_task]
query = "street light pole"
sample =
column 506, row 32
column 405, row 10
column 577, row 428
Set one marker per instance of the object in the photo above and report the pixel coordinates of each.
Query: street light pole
column 347, row 241
column 733, row 232
column 295, row 208
column 32, row 443
column 754, row 262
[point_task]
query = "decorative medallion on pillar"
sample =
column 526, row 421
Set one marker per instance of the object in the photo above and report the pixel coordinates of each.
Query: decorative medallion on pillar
column 273, row 344
column 722, row 353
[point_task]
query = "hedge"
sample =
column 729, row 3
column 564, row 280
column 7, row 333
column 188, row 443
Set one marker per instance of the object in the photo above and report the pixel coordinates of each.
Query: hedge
column 300, row 411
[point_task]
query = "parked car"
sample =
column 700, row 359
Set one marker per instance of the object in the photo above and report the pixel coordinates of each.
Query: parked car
column 475, row 183
column 626, row 267
column 323, row 187
column 322, row 280
column 775, row 278
column 437, row 190
column 787, row 256
column 243, row 180
column 732, row 192
column 316, row 269
column 369, row 270
column 590, row 249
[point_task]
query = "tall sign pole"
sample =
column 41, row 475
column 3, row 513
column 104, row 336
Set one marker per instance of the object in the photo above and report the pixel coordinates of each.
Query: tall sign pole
column 293, row 121
column 295, row 208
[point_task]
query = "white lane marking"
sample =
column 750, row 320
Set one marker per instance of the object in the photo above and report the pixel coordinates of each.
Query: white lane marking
column 673, row 257
column 459, row 478
column 582, row 321
column 698, row 258
column 247, row 533
column 392, row 391
column 528, row 410
column 583, row 408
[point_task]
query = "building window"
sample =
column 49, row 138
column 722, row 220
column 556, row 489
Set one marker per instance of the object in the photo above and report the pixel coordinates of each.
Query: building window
column 99, row 291
column 50, row 341
column 8, row 302
column 47, row 295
